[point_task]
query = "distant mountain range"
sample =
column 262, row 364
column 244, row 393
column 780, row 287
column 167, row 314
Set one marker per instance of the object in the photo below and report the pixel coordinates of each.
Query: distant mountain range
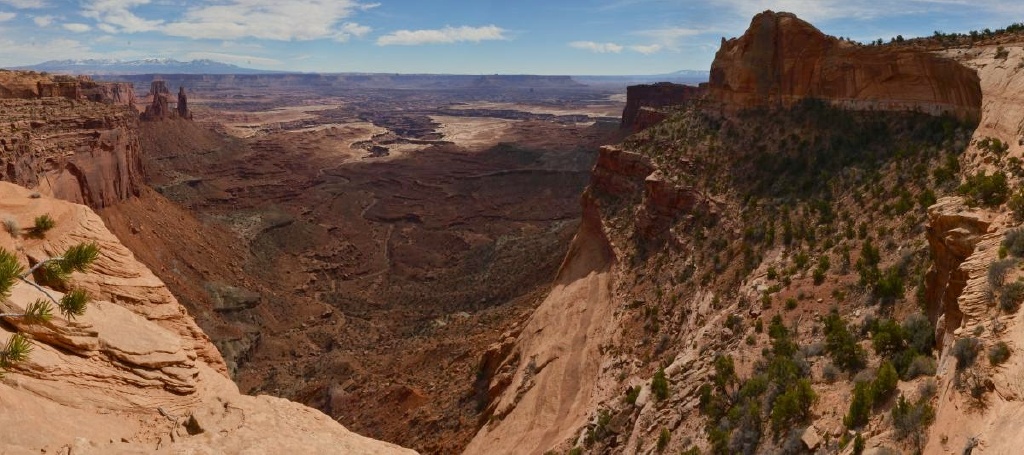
column 145, row 66
column 109, row 67
column 689, row 77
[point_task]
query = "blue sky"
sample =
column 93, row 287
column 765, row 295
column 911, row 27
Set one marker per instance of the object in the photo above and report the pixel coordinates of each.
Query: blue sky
column 450, row 36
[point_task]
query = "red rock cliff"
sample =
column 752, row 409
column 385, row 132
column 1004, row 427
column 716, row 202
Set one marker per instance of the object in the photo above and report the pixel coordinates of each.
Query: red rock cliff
column 83, row 152
column 644, row 101
column 782, row 59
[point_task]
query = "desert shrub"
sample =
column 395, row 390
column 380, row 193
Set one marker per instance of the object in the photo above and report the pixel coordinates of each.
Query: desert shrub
column 11, row 226
column 794, row 405
column 1011, row 296
column 885, row 384
column 921, row 365
column 926, row 198
column 858, row 444
column 911, row 418
column 998, row 270
column 734, row 322
column 919, row 333
column 632, row 394
column 887, row 338
column 841, row 344
column 860, row 406
column 993, row 145
column 830, row 373
column 813, row 349
column 927, row 389
column 733, row 406
column 985, row 190
column 965, row 350
column 1002, row 53
column 889, row 285
column 659, row 385
column 1016, row 204
column 663, row 439
column 42, row 224
column 998, row 353
column 818, row 276
column 821, row 269
column 791, row 303
column 1014, row 242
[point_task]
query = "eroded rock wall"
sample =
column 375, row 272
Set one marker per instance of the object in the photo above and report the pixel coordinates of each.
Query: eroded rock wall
column 781, row 60
column 644, row 103
column 134, row 374
column 80, row 151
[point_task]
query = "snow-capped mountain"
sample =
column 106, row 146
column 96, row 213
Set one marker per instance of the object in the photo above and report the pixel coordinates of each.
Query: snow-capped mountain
column 144, row 66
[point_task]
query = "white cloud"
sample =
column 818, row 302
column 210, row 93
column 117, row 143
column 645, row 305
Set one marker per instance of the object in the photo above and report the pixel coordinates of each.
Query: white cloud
column 826, row 10
column 601, row 48
column 25, row 4
column 445, row 35
column 77, row 28
column 646, row 49
column 4, row 17
column 350, row 29
column 43, row 21
column 116, row 16
column 666, row 38
column 270, row 19
column 234, row 58
column 613, row 48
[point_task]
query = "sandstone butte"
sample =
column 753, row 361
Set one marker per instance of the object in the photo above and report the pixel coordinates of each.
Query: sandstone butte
column 643, row 103
column 135, row 374
column 781, row 60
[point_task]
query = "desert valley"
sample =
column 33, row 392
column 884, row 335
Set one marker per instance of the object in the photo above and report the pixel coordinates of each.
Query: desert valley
column 813, row 247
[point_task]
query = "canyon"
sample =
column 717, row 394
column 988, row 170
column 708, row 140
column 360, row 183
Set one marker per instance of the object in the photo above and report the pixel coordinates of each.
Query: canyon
column 522, row 264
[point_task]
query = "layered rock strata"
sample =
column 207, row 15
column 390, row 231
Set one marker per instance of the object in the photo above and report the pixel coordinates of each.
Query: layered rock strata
column 781, row 60
column 82, row 152
column 28, row 85
column 134, row 374
column 645, row 103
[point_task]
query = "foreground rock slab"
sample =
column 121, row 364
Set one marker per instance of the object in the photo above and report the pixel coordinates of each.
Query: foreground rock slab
column 134, row 374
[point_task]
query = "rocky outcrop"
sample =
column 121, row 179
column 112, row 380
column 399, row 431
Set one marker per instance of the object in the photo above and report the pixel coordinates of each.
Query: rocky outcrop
column 623, row 173
column 119, row 93
column 954, row 231
column 183, row 111
column 29, row 85
column 973, row 236
column 82, row 152
column 161, row 107
column 134, row 374
column 619, row 172
column 781, row 60
column 644, row 103
column 547, row 380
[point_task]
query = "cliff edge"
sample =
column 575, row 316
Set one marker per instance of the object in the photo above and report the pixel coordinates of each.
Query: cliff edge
column 135, row 374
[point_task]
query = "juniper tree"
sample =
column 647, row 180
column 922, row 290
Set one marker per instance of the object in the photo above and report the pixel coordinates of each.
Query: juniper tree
column 53, row 271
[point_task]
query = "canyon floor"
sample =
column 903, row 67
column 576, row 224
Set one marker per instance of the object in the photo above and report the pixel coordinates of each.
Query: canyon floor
column 359, row 251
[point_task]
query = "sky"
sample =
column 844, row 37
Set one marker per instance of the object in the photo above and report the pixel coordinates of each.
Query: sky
column 577, row 37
